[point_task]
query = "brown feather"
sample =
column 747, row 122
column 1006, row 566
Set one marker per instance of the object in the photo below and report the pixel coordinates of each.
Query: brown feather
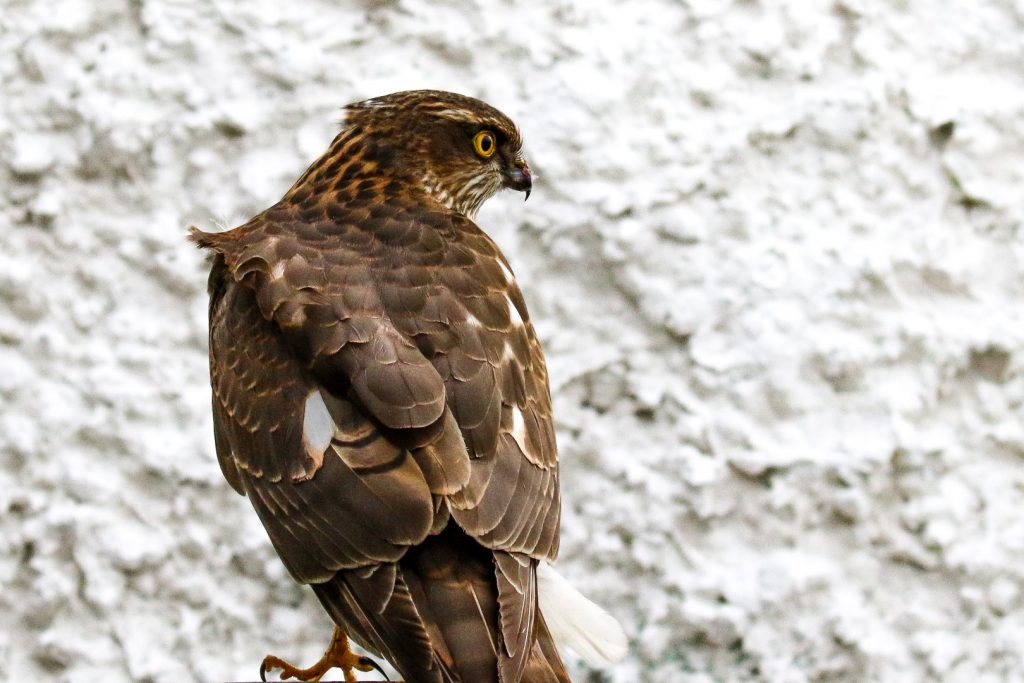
column 421, row 523
column 516, row 576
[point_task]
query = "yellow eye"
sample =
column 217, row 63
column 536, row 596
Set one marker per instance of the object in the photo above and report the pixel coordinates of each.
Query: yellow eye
column 485, row 144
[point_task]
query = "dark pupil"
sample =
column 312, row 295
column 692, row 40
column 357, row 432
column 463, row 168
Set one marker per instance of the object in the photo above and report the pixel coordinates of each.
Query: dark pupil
column 485, row 143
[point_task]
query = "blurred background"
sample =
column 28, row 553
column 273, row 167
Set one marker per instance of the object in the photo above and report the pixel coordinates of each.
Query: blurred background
column 775, row 257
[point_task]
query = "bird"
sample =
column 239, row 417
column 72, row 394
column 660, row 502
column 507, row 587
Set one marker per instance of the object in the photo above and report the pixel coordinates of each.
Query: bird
column 381, row 397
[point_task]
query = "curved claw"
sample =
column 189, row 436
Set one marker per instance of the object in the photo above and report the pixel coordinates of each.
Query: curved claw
column 367, row 664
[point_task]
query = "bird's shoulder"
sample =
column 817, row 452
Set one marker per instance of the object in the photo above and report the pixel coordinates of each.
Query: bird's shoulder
column 377, row 234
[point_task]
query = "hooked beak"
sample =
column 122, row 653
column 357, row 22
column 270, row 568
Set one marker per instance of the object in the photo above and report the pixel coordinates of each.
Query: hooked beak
column 519, row 177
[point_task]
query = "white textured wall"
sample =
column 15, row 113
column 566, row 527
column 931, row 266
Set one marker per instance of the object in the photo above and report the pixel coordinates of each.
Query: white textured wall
column 775, row 258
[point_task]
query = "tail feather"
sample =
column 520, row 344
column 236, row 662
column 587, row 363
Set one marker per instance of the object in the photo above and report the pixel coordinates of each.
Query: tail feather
column 544, row 665
column 435, row 614
column 457, row 599
column 516, row 577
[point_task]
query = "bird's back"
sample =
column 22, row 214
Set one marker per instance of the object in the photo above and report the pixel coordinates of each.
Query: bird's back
column 381, row 397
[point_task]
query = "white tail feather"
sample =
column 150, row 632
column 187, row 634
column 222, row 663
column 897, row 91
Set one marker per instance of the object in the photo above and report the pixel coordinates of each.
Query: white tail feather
column 577, row 623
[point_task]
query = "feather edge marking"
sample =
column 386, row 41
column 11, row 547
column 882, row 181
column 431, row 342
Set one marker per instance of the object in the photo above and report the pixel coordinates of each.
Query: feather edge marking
column 317, row 426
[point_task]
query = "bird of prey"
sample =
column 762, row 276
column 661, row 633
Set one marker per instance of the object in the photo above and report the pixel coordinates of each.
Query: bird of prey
column 380, row 396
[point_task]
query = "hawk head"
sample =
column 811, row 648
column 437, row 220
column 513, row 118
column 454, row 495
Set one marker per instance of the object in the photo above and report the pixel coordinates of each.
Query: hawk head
column 460, row 150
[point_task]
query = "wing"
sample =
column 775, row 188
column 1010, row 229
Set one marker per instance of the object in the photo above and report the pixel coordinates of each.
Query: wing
column 410, row 329
column 467, row 316
column 471, row 322
column 333, row 492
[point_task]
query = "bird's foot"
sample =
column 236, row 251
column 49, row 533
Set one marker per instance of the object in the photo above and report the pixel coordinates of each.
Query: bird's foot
column 338, row 655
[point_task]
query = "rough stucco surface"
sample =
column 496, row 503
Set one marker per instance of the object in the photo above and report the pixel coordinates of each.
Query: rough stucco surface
column 775, row 258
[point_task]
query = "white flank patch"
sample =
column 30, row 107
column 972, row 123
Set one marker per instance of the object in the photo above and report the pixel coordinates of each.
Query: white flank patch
column 576, row 622
column 518, row 428
column 317, row 425
column 473, row 321
column 277, row 272
column 513, row 312
column 509, row 277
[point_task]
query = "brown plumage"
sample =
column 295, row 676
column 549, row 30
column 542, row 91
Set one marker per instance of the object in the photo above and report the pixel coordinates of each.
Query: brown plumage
column 380, row 395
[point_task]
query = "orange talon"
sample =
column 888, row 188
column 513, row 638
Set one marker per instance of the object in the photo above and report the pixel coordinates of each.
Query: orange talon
column 338, row 655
